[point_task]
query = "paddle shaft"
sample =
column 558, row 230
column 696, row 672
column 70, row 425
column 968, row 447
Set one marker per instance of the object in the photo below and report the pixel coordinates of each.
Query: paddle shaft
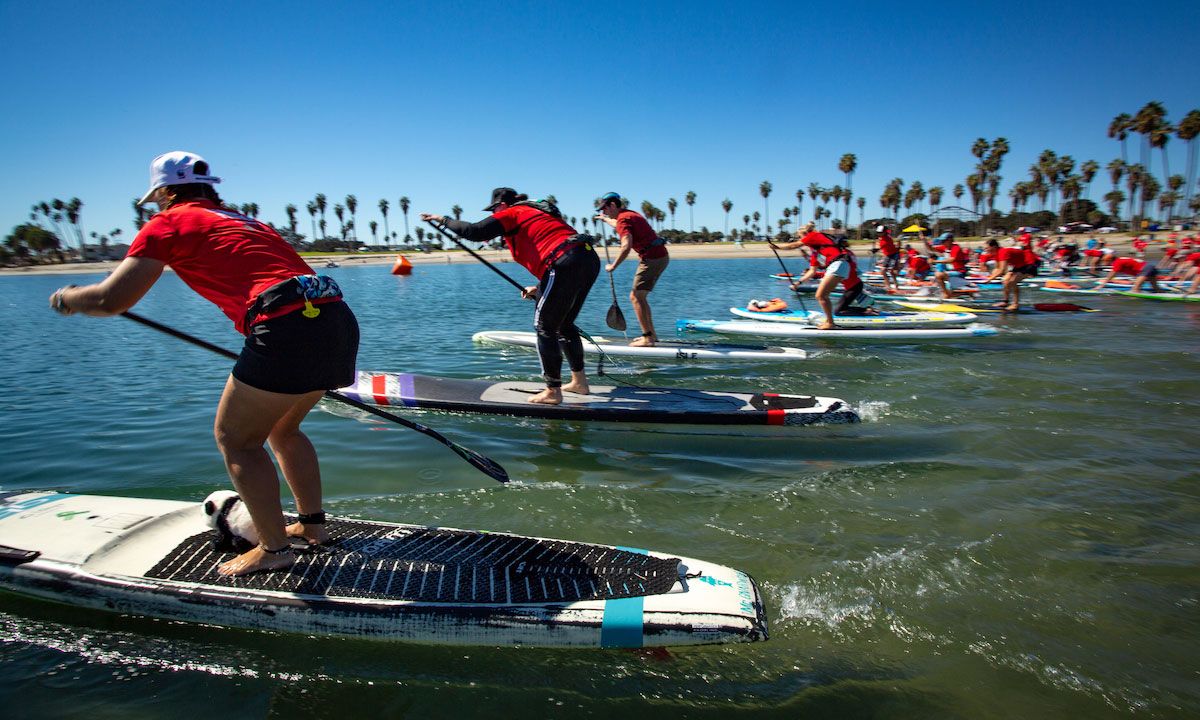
column 484, row 464
column 615, row 318
column 787, row 274
column 442, row 230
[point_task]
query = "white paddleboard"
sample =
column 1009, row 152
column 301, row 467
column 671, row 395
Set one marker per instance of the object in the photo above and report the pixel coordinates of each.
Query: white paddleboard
column 380, row 581
column 664, row 349
column 883, row 319
column 790, row 330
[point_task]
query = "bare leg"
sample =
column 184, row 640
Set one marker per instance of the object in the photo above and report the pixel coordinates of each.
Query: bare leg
column 246, row 417
column 641, row 308
column 823, row 290
column 298, row 460
column 578, row 384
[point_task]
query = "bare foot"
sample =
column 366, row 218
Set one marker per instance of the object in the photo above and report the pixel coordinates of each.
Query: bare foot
column 549, row 396
column 1013, row 308
column 643, row 341
column 577, row 387
column 826, row 325
column 314, row 534
column 256, row 560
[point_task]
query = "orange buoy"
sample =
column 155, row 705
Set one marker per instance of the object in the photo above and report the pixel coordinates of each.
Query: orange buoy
column 402, row 266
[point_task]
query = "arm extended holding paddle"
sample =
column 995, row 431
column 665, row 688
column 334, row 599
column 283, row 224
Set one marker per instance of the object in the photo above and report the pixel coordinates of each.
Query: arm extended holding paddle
column 442, row 224
column 113, row 295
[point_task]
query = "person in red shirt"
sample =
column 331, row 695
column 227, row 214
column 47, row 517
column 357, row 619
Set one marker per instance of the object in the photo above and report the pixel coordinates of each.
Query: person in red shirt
column 953, row 278
column 1139, row 247
column 891, row 259
column 636, row 236
column 989, row 255
column 566, row 267
column 1142, row 270
column 1014, row 264
column 839, row 265
column 301, row 340
column 918, row 265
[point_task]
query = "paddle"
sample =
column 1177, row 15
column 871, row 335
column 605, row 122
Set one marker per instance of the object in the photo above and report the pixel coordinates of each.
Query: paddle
column 614, row 318
column 442, row 230
column 484, row 464
column 788, row 274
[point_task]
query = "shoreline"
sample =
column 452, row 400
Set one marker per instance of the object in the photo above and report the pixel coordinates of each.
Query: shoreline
column 708, row 251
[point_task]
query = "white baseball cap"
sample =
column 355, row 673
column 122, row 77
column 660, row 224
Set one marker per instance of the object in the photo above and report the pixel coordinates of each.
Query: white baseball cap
column 176, row 168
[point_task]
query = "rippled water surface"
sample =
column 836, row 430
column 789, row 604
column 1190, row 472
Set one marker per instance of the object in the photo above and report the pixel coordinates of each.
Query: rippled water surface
column 1011, row 532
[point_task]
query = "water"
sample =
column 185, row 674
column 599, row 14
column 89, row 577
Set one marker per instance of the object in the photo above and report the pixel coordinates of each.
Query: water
column 1010, row 533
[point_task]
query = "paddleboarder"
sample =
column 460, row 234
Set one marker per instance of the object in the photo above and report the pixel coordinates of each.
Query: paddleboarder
column 566, row 267
column 838, row 265
column 891, row 259
column 950, row 280
column 301, row 340
column 1014, row 264
column 1143, row 270
column 636, row 235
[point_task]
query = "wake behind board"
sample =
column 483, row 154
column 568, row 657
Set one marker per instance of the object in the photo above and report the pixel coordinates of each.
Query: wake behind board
column 379, row 581
column 794, row 330
column 604, row 403
column 663, row 349
column 884, row 319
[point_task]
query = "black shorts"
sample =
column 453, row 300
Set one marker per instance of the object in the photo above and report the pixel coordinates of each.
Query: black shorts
column 1030, row 269
column 294, row 355
column 1148, row 271
column 891, row 262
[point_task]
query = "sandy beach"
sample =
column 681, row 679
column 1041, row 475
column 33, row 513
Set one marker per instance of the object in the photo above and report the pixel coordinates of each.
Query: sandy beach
column 698, row 251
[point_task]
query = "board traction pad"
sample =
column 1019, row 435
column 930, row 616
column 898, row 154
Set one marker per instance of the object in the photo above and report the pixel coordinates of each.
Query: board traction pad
column 437, row 565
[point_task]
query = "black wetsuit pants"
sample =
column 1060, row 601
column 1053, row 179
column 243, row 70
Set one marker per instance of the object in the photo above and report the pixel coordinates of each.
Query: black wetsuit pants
column 561, row 294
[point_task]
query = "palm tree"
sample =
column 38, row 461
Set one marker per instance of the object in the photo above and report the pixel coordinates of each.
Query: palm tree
column 1158, row 139
column 340, row 211
column 1186, row 131
column 764, row 189
column 1133, row 181
column 74, row 206
column 383, row 210
column 1119, row 129
column 1113, row 198
column 320, row 201
column 756, row 218
column 404, row 209
column 690, row 199
column 1147, row 120
column 1116, row 169
column 672, row 203
column 352, row 206
column 374, row 226
column 957, row 192
column 312, row 216
column 848, row 164
column 726, row 205
column 291, row 213
column 1087, row 171
column 1174, row 185
column 799, row 201
column 1150, row 189
column 457, row 212
column 862, row 203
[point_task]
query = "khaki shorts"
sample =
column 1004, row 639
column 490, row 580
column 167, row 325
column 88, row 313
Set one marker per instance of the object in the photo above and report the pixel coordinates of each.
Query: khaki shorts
column 648, row 272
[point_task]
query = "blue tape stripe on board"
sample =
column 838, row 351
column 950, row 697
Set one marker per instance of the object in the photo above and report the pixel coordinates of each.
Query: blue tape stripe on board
column 622, row 623
column 16, row 508
column 407, row 395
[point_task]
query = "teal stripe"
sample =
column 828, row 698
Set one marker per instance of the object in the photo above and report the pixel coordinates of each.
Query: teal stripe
column 622, row 622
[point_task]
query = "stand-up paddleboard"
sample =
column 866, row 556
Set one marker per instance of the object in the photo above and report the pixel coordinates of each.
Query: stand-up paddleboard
column 1163, row 296
column 883, row 319
column 1077, row 290
column 604, row 403
column 792, row 330
column 1034, row 308
column 378, row 581
column 663, row 349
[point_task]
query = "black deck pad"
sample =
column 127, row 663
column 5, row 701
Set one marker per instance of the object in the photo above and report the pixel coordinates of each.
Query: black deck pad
column 768, row 401
column 371, row 560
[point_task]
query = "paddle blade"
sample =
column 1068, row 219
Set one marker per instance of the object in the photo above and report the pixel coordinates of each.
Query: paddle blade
column 615, row 318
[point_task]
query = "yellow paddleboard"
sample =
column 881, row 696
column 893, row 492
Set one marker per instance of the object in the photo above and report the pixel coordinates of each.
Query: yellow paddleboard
column 943, row 307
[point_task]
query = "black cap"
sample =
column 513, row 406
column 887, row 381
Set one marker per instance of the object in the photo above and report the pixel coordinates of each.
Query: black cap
column 505, row 195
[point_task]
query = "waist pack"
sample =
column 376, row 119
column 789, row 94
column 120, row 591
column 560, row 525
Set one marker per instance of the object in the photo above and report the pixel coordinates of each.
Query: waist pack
column 291, row 294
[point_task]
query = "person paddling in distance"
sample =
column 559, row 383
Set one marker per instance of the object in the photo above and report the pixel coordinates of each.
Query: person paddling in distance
column 636, row 235
column 950, row 280
column 839, row 265
column 301, row 339
column 1143, row 270
column 566, row 267
column 891, row 259
column 1014, row 264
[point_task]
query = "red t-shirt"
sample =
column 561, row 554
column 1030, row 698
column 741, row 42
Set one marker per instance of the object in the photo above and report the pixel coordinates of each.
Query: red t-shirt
column 1017, row 257
column 1139, row 244
column 988, row 255
column 958, row 256
column 1026, row 239
column 533, row 236
column 642, row 236
column 226, row 257
column 1194, row 259
column 1128, row 266
column 887, row 245
column 825, row 251
column 918, row 264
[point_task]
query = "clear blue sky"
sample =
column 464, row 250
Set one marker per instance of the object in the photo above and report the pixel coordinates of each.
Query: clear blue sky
column 444, row 101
